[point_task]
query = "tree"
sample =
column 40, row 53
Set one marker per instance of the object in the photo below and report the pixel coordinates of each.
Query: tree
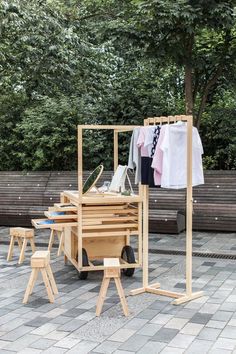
column 198, row 36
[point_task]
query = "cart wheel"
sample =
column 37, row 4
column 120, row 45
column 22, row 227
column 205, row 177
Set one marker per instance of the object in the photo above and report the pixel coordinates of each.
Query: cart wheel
column 83, row 275
column 128, row 255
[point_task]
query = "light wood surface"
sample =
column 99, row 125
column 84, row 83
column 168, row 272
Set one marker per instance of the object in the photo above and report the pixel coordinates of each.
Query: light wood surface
column 111, row 271
column 40, row 261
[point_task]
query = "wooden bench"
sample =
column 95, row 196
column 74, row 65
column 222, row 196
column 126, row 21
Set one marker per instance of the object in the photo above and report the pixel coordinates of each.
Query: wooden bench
column 25, row 196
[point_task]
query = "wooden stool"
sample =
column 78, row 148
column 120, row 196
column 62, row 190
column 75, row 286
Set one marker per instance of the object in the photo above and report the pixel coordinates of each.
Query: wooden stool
column 18, row 234
column 112, row 270
column 40, row 261
column 59, row 231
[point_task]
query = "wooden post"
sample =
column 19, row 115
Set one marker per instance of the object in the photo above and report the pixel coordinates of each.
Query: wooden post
column 189, row 208
column 116, row 145
column 80, row 188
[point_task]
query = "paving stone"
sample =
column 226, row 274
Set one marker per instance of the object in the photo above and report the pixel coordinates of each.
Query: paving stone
column 17, row 333
column 224, row 343
column 162, row 318
column 67, row 342
column 107, row 347
column 181, row 341
column 43, row 343
column 201, row 318
column 45, row 329
column 122, row 335
column 229, row 332
column 134, row 343
column 151, row 347
column 30, row 351
column 209, row 333
column 72, row 325
column 149, row 329
column 222, row 316
column 216, row 324
column 22, row 342
column 37, row 322
column 192, row 328
column 83, row 347
column 147, row 314
column 165, row 335
column 171, row 350
column 176, row 323
column 136, row 323
column 199, row 346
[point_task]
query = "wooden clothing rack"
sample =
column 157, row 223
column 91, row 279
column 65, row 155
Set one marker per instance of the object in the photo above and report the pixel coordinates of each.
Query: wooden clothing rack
column 155, row 288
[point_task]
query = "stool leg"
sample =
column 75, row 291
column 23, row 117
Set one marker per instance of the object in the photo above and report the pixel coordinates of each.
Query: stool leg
column 122, row 296
column 51, row 279
column 102, row 295
column 32, row 245
column 47, row 285
column 34, row 279
column 11, row 247
column 61, row 244
column 22, row 253
column 29, row 286
column 51, row 240
column 19, row 243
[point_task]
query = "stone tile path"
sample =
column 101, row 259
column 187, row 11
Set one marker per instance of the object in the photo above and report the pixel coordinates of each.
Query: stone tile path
column 205, row 325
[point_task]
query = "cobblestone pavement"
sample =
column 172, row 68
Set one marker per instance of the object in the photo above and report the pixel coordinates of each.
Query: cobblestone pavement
column 205, row 325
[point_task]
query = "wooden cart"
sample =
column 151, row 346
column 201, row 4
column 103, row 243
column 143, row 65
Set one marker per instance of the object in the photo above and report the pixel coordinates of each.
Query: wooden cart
column 96, row 225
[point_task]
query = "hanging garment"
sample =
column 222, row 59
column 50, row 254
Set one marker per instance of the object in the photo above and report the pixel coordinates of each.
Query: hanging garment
column 146, row 161
column 134, row 162
column 174, row 165
column 158, row 158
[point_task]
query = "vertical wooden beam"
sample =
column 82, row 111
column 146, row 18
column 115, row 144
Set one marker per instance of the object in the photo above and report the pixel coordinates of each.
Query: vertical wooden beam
column 189, row 208
column 140, row 233
column 116, row 159
column 80, row 189
column 145, row 235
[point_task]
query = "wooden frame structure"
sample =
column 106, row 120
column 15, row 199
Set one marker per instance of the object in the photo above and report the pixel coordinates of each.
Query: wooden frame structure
column 155, row 288
column 122, row 213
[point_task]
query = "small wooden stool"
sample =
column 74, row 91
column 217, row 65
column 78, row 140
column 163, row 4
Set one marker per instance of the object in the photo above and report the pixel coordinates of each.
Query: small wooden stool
column 59, row 231
column 18, row 234
column 40, row 261
column 112, row 270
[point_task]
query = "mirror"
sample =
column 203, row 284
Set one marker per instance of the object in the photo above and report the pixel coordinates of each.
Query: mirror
column 92, row 179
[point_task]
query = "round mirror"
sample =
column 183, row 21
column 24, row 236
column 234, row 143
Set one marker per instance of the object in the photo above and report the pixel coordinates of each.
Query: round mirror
column 92, row 179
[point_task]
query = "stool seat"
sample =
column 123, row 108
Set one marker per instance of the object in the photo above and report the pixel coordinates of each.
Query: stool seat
column 112, row 270
column 22, row 236
column 21, row 232
column 40, row 261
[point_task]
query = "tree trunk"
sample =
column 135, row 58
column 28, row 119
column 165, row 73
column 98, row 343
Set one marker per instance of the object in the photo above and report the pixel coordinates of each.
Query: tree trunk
column 188, row 89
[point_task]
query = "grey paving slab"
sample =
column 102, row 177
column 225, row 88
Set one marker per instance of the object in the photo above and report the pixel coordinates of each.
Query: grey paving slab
column 134, row 343
column 154, row 324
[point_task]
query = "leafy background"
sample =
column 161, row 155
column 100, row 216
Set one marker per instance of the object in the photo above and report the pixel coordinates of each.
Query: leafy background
column 64, row 63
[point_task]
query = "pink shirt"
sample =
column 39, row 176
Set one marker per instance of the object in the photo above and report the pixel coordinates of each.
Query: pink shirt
column 141, row 141
column 158, row 158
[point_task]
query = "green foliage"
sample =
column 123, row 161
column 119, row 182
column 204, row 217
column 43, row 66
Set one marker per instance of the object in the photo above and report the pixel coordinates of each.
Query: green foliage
column 107, row 62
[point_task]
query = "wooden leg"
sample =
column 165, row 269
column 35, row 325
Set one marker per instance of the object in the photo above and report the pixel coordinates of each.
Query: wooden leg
column 11, row 247
column 51, row 279
column 65, row 259
column 32, row 245
column 122, row 296
column 22, row 253
column 47, row 284
column 61, row 244
column 19, row 243
column 51, row 240
column 102, row 295
column 34, row 279
column 29, row 286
